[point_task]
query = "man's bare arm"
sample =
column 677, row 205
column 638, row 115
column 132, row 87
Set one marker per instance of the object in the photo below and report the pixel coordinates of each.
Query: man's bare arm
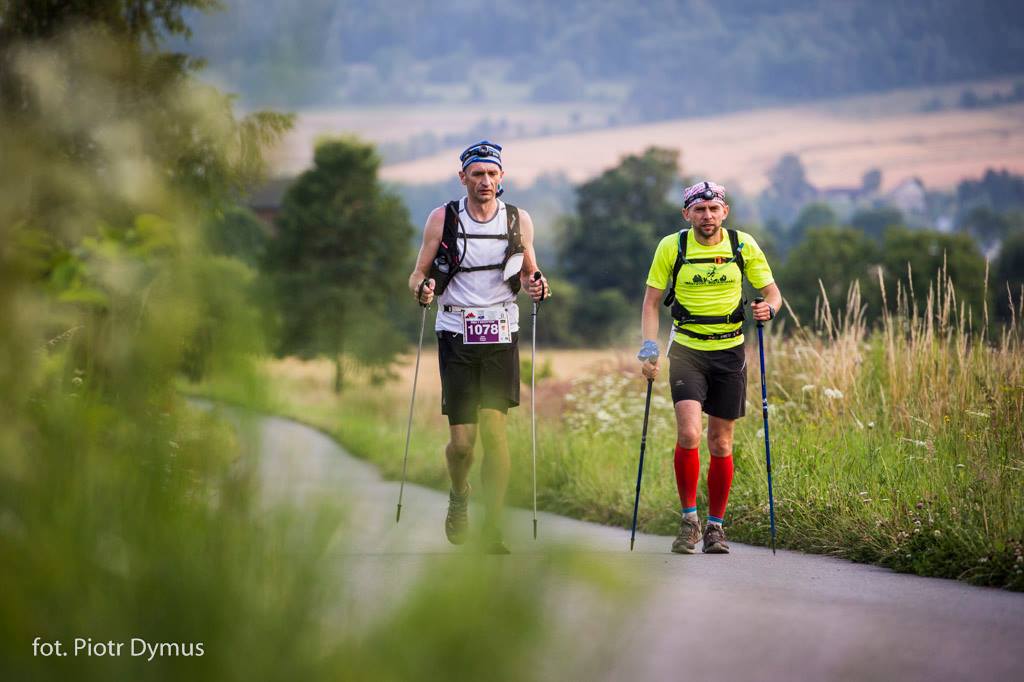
column 432, row 232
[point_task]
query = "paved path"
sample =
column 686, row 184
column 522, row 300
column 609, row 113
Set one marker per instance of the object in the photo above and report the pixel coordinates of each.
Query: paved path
column 745, row 616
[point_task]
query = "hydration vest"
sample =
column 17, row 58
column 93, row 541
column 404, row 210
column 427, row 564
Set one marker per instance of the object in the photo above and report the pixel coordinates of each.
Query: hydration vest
column 448, row 261
column 681, row 315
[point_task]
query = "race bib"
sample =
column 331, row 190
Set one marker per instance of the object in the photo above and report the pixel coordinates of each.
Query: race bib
column 486, row 325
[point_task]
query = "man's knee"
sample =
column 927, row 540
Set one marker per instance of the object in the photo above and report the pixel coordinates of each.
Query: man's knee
column 459, row 448
column 688, row 435
column 720, row 444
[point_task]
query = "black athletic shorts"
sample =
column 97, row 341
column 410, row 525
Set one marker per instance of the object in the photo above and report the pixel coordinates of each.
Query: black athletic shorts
column 717, row 379
column 476, row 376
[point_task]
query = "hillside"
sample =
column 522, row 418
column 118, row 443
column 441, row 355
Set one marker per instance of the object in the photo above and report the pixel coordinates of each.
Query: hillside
column 837, row 140
column 653, row 60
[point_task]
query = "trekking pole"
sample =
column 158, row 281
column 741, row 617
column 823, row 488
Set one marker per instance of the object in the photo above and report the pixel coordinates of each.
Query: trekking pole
column 764, row 411
column 640, row 469
column 415, row 378
column 533, row 402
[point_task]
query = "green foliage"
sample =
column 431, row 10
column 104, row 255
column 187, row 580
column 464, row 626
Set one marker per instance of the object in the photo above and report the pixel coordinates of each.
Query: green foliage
column 814, row 214
column 147, row 506
column 989, row 227
column 1008, row 279
column 835, row 256
column 237, row 232
column 602, row 317
column 924, row 252
column 339, row 257
column 128, row 20
column 875, row 221
column 620, row 217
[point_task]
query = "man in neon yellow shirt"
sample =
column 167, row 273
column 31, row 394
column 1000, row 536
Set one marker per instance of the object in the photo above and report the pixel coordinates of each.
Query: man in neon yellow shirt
column 702, row 268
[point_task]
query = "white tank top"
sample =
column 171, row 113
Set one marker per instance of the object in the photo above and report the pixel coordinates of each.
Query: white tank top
column 483, row 288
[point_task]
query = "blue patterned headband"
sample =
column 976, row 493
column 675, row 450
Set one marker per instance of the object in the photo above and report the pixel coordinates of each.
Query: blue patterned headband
column 483, row 151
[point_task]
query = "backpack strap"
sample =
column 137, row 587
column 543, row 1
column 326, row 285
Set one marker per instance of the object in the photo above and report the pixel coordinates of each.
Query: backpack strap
column 670, row 296
column 515, row 241
column 451, row 230
column 737, row 249
column 514, row 233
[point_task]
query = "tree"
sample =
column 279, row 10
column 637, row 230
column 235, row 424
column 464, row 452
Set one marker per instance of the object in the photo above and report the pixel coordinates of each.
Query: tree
column 815, row 214
column 925, row 252
column 138, row 24
column 989, row 227
column 620, row 216
column 788, row 190
column 875, row 221
column 1000, row 191
column 871, row 182
column 837, row 256
column 1008, row 276
column 237, row 232
column 339, row 258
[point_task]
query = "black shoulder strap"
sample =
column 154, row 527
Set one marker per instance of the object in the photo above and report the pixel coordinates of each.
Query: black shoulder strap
column 451, row 223
column 737, row 252
column 515, row 234
column 670, row 295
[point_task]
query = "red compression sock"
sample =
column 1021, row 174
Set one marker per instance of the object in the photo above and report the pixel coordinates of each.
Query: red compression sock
column 719, row 482
column 687, row 472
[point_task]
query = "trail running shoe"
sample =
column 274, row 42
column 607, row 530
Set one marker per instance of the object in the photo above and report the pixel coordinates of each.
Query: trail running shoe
column 714, row 540
column 457, row 521
column 689, row 535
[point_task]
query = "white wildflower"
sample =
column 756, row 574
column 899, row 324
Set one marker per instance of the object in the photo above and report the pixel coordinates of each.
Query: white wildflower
column 983, row 415
column 807, row 388
column 833, row 393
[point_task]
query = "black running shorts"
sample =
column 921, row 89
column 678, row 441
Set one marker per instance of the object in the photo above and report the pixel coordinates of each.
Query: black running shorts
column 476, row 376
column 717, row 379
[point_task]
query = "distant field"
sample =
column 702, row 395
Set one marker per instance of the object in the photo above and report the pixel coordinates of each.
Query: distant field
column 837, row 140
column 940, row 148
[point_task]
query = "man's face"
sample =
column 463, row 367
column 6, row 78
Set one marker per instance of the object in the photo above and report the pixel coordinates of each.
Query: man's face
column 707, row 217
column 481, row 180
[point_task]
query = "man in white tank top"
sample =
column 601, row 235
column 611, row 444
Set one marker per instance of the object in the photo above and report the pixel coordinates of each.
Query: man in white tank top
column 477, row 328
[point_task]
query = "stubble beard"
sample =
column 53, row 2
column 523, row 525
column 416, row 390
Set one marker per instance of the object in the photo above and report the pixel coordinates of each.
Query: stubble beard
column 709, row 231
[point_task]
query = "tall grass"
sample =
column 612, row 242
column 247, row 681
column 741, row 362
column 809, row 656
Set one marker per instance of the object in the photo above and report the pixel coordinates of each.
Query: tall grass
column 901, row 446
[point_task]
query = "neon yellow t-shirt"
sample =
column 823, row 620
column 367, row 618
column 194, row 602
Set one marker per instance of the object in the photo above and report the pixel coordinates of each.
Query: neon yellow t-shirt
column 707, row 288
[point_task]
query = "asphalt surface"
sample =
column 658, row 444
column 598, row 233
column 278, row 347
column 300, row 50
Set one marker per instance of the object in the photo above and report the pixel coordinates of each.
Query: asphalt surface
column 748, row 615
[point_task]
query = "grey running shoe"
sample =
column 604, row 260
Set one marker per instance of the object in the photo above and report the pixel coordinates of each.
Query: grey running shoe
column 714, row 540
column 457, row 521
column 689, row 535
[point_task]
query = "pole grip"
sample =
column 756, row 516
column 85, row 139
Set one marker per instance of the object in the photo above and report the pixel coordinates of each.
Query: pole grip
column 759, row 299
column 419, row 292
column 536, row 278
